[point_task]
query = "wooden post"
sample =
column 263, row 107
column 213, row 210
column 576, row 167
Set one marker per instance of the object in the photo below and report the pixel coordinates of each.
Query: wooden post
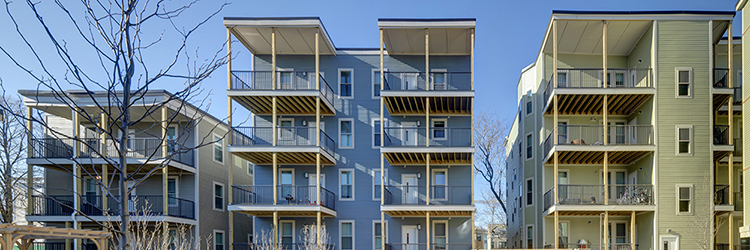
column 605, row 179
column 428, row 128
column 428, row 174
column 320, row 201
column 730, row 223
column 556, row 177
column 275, row 229
column 428, row 79
column 428, row 230
column 275, row 178
column 606, row 230
column 317, row 237
column 231, row 136
column 29, row 167
column 68, row 245
column 472, row 66
column 77, row 168
column 730, row 119
column 632, row 230
column 164, row 170
column 604, row 58
column 382, row 140
column 473, row 232
column 605, row 123
column 554, row 57
column 730, row 169
column 555, row 126
column 273, row 58
column 556, row 241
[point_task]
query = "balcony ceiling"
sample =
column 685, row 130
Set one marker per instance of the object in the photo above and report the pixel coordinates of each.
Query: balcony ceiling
column 294, row 36
column 447, row 36
column 585, row 37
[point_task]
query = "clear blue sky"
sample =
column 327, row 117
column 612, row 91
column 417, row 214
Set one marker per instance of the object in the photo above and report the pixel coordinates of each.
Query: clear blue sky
column 508, row 35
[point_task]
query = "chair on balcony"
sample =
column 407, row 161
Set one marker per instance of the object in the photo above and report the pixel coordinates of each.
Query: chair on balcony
column 578, row 142
column 721, row 83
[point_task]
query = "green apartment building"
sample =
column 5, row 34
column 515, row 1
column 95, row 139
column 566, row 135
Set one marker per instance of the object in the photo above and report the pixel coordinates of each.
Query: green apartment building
column 627, row 125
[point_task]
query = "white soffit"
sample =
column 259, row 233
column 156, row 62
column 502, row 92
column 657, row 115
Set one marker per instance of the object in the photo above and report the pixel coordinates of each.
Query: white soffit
column 294, row 36
column 585, row 37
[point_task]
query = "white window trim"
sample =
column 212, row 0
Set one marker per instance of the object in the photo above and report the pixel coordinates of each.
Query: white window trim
column 354, row 239
column 677, row 199
column 377, row 177
column 352, row 83
column 677, row 140
column 525, row 142
column 737, row 79
column 223, row 197
column 432, row 80
column 341, row 170
column 176, row 189
column 249, row 237
column 432, row 126
column 526, row 236
column 339, row 137
column 373, row 130
column 223, row 237
column 278, row 182
column 568, row 228
column 557, row 126
column 447, row 229
column 663, row 237
column 372, row 85
column 176, row 131
column 294, row 230
column 525, row 182
column 250, row 166
column 97, row 187
column 526, row 100
column 677, row 82
column 213, row 150
column 432, row 182
column 385, row 237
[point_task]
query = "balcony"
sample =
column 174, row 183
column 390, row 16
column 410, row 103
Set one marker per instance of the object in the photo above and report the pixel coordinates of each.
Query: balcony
column 406, row 93
column 581, row 91
column 721, row 195
column 626, row 143
column 282, row 246
column 585, row 195
column 593, row 246
column 292, row 200
column 296, row 92
column 294, row 145
column 425, row 246
column 138, row 148
column 408, row 145
column 92, row 205
column 412, row 200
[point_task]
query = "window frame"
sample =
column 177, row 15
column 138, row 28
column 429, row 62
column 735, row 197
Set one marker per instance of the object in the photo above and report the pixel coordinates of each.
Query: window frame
column 445, row 129
column 176, row 190
column 691, row 200
column 690, row 141
column 374, row 129
column 351, row 171
column 351, row 76
column 677, row 82
column 432, row 183
column 529, row 155
column 447, row 229
column 528, row 99
column 351, row 120
column 220, row 143
column 354, row 239
column 377, row 177
column 250, row 169
column 372, row 85
column 529, row 194
column 280, row 135
column 526, row 236
column 278, row 182
column 385, row 237
column 294, row 230
column 223, row 239
column 223, row 197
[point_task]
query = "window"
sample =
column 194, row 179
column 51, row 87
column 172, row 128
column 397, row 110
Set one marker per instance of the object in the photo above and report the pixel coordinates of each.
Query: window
column 376, row 83
column 346, row 133
column 530, row 237
column 684, row 81
column 440, row 235
column 562, row 79
column 529, row 103
column 376, row 183
column 285, row 79
column 684, row 140
column 172, row 191
column 218, row 196
column 438, row 80
column 438, row 129
column 529, row 144
column 249, row 238
column 439, row 184
column 376, row 133
column 173, row 240
column 346, row 184
column 529, row 192
column 346, row 231
column 345, row 83
column 171, row 137
column 250, row 168
column 218, row 149
column 286, row 130
column 286, row 232
column 218, row 240
column 563, row 228
column 684, row 199
column 286, row 184
column 377, row 232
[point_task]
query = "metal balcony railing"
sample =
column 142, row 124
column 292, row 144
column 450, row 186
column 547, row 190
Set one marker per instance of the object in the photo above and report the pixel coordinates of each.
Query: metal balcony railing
column 281, row 246
column 594, row 135
column 285, row 80
column 721, row 134
column 721, row 194
column 741, row 247
column 286, row 136
column 416, row 81
column 287, row 195
column 620, row 194
column 417, row 195
column 49, row 246
column 593, row 246
column 416, row 137
column 56, row 205
column 93, row 148
column 431, row 246
column 593, row 78
column 720, row 78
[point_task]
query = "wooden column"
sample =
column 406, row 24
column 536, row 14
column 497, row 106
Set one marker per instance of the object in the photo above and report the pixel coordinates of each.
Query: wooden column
column 428, row 230
column 605, row 113
column 382, row 140
column 554, row 98
column 320, row 202
column 427, row 121
column 104, row 124
column 77, row 169
column 273, row 58
column 275, row 164
column 632, row 230
column 231, row 136
column 604, row 55
column 473, row 232
column 68, row 242
column 606, row 230
column 428, row 174
column 29, row 167
column 275, row 229
column 556, row 177
column 472, row 66
column 317, row 136
column 556, row 241
column 730, row 223
column 164, row 170
column 428, row 79
column 605, row 179
column 730, row 120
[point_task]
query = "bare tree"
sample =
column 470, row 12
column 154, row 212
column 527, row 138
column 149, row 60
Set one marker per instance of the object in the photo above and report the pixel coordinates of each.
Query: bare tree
column 107, row 48
column 490, row 135
column 702, row 227
column 12, row 152
column 490, row 214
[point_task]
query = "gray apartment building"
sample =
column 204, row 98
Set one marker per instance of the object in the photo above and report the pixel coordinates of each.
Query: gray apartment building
column 190, row 191
column 628, row 134
column 373, row 144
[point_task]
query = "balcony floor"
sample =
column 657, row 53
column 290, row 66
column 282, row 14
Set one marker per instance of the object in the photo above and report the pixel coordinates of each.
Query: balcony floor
column 285, row 155
column 439, row 105
column 596, row 210
column 287, row 102
column 283, row 210
column 591, row 104
column 596, row 157
column 101, row 218
column 422, row 210
column 420, row 158
column 93, row 165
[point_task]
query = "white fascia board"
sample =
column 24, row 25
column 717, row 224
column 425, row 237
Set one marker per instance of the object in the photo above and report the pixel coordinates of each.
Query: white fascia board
column 426, row 24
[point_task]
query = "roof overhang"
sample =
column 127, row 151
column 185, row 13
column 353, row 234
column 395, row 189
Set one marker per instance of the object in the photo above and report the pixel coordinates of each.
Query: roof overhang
column 406, row 36
column 740, row 5
column 294, row 35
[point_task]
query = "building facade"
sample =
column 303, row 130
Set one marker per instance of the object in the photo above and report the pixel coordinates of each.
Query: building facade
column 627, row 134
column 374, row 145
column 190, row 190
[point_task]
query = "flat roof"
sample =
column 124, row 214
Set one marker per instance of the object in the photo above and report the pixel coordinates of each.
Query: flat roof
column 643, row 12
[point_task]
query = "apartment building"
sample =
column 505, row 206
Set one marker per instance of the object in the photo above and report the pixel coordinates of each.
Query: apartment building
column 374, row 145
column 627, row 134
column 190, row 191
